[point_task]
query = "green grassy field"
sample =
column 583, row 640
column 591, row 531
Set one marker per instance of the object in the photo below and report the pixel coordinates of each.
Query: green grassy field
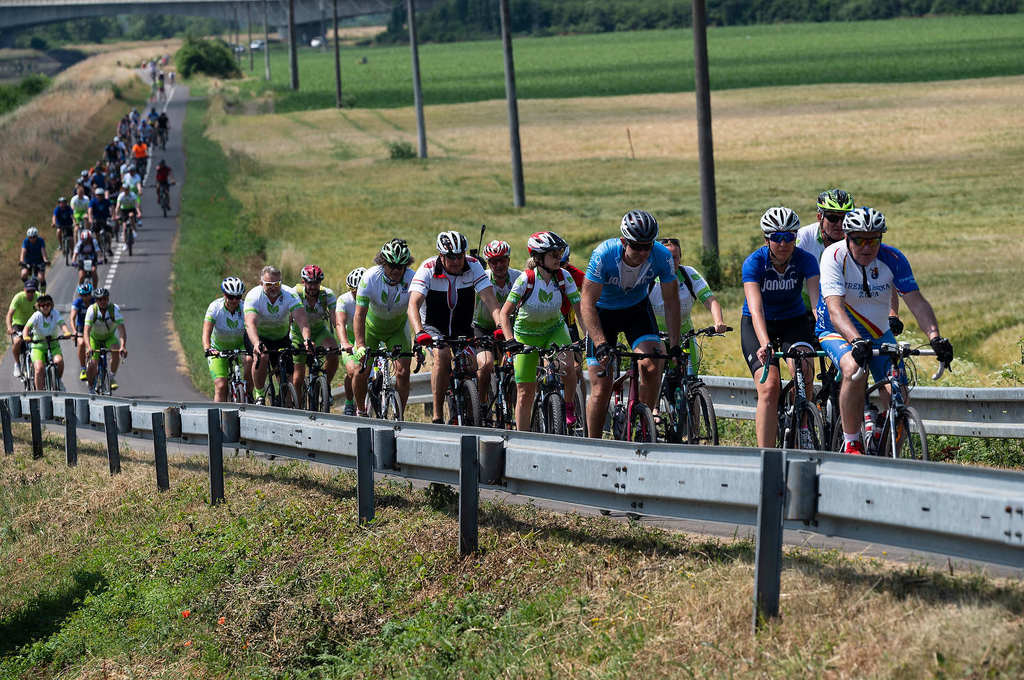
column 609, row 64
column 104, row 577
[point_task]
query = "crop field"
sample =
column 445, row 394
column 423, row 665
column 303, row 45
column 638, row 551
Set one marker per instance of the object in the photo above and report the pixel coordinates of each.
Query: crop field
column 609, row 64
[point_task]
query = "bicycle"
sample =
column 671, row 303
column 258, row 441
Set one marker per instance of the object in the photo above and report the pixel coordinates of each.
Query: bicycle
column 794, row 407
column 908, row 438
column 461, row 398
column 102, row 384
column 548, row 410
column 315, row 387
column 163, row 196
column 237, row 388
column 28, row 373
column 686, row 413
column 51, row 376
column 34, row 270
column 280, row 390
column 631, row 419
column 103, row 237
column 382, row 398
column 499, row 411
column 161, row 134
column 827, row 400
column 66, row 244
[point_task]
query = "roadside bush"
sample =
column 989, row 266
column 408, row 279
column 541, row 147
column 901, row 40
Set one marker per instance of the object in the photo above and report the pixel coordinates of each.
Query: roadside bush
column 13, row 96
column 401, row 150
column 212, row 57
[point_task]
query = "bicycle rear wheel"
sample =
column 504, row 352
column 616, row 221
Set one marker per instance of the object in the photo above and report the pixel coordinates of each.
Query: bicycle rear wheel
column 911, row 438
column 702, row 423
column 393, row 407
column 580, row 402
column 554, row 413
column 641, row 424
column 668, row 416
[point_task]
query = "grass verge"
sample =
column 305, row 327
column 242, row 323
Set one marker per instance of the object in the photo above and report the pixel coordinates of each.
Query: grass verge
column 105, row 576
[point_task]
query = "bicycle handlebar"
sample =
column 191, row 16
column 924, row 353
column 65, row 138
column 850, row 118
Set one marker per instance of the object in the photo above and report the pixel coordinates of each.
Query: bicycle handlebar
column 900, row 351
column 393, row 353
column 798, row 350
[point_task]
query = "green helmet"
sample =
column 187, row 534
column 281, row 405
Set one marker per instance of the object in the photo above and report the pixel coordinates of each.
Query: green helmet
column 396, row 251
column 835, row 200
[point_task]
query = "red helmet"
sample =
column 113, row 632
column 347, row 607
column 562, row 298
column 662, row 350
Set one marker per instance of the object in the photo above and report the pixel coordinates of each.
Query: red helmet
column 545, row 242
column 497, row 249
column 312, row 274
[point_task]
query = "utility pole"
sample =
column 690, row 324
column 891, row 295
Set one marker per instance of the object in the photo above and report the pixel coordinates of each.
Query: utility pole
column 518, row 192
column 417, row 90
column 337, row 59
column 702, row 90
column 248, row 25
column 293, row 53
column 266, row 42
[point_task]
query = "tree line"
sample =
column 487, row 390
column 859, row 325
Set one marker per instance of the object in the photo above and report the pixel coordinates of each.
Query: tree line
column 115, row 28
column 452, row 20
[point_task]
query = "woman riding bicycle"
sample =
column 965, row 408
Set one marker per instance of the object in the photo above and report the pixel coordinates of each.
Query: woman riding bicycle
column 774, row 315
column 39, row 334
column 536, row 300
column 224, row 331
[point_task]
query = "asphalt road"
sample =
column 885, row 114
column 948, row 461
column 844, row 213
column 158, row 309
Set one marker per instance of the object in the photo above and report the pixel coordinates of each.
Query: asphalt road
column 139, row 284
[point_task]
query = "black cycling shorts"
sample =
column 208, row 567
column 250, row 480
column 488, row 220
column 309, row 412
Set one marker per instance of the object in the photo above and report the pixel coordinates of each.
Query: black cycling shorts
column 781, row 332
column 283, row 343
column 637, row 323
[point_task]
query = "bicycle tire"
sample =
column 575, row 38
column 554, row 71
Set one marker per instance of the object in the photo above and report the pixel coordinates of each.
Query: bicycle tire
column 912, row 441
column 236, row 393
column 373, row 396
column 103, row 383
column 580, row 403
column 668, row 417
column 471, row 403
column 52, row 381
column 554, row 413
column 289, row 399
column 508, row 402
column 617, row 421
column 702, row 421
column 814, row 425
column 641, row 422
column 393, row 407
column 537, row 419
column 324, row 396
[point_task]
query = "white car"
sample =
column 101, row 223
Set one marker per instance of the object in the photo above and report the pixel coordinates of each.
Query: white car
column 256, row 45
column 317, row 42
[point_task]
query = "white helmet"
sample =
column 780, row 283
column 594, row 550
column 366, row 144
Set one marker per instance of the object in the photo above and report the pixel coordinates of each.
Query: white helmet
column 543, row 242
column 354, row 277
column 639, row 226
column 233, row 285
column 864, row 219
column 779, row 219
column 32, row 231
column 451, row 243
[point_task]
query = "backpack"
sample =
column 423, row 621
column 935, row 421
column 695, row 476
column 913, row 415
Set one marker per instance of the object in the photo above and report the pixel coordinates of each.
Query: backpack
column 686, row 280
column 531, row 281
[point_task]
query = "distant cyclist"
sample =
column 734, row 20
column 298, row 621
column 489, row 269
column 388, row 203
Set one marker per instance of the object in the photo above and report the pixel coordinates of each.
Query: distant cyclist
column 269, row 310
column 857, row 279
column 63, row 220
column 79, row 208
column 33, row 257
column 79, row 308
column 380, row 314
column 86, row 257
column 320, row 303
column 128, row 206
column 40, row 330
column 105, row 328
column 497, row 254
column 224, row 331
column 615, row 300
column 344, row 324
column 99, row 215
column 23, row 305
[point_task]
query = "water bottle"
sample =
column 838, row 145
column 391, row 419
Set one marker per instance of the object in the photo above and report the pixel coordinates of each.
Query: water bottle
column 869, row 423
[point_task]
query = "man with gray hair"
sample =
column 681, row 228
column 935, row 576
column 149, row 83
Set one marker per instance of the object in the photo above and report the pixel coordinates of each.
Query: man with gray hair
column 270, row 309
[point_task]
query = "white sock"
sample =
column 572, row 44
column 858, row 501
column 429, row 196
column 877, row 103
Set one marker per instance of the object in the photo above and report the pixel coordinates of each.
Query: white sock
column 855, row 437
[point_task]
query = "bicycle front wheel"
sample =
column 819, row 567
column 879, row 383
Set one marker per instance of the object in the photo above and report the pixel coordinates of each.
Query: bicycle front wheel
column 668, row 416
column 702, row 425
column 815, row 427
column 289, row 398
column 470, row 407
column 911, row 439
column 237, row 392
column 554, row 413
column 393, row 407
column 641, row 424
column 324, row 394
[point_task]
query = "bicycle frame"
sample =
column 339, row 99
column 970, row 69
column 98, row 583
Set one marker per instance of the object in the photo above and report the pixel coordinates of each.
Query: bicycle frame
column 633, row 375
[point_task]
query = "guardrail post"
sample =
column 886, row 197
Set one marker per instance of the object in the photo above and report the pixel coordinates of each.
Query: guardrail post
column 123, row 416
column 14, row 404
column 37, row 427
column 172, row 420
column 364, row 473
column 768, row 554
column 492, row 461
column 801, row 490
column 5, row 422
column 110, row 426
column 216, row 455
column 231, row 425
column 160, row 451
column 469, row 494
column 46, row 407
column 70, row 432
column 384, row 448
column 82, row 414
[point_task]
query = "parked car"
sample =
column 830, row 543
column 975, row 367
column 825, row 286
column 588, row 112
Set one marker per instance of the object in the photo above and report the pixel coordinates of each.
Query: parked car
column 256, row 45
column 317, row 41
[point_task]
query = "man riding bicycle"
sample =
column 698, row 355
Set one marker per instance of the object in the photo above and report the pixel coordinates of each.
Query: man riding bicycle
column 86, row 257
column 99, row 216
column 269, row 311
column 615, row 300
column 23, row 305
column 319, row 303
column 449, row 285
column 128, row 206
column 63, row 220
column 79, row 208
column 79, row 308
column 497, row 253
column 164, row 179
column 104, row 326
column 858, row 276
column 381, row 318
column 33, row 257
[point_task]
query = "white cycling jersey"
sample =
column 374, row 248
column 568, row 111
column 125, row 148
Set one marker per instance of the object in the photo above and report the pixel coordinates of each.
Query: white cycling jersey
column 45, row 326
column 386, row 303
column 228, row 326
column 273, row 319
column 348, row 303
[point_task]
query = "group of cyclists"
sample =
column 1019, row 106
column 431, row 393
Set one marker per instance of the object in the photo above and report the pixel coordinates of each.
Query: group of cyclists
column 832, row 285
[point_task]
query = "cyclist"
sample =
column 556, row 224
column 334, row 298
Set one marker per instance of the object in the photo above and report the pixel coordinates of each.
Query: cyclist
column 319, row 303
column 21, row 308
column 536, row 299
column 99, row 216
column 163, row 126
column 41, row 327
column 497, row 253
column 344, row 324
column 79, row 208
column 446, row 288
column 164, row 178
column 98, row 178
column 63, row 220
column 131, row 180
column 112, row 152
column 774, row 315
column 692, row 289
column 152, row 116
column 224, row 330
column 380, row 314
column 858, row 275
column 33, row 257
column 128, row 205
column 269, row 310
column 568, row 313
column 79, row 307
column 615, row 300
column 86, row 249
column 140, row 152
column 104, row 327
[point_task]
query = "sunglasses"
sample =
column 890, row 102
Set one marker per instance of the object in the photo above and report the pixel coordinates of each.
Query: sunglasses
column 865, row 240
column 642, row 247
column 453, row 256
column 833, row 216
column 271, row 284
column 669, row 242
column 233, row 297
column 782, row 237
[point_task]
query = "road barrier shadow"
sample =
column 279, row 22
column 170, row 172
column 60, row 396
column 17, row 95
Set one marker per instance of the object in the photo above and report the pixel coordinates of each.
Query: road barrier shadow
column 43, row 615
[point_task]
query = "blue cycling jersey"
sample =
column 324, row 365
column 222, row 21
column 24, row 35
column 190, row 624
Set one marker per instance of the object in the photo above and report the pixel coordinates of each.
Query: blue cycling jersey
column 64, row 216
column 82, row 306
column 100, row 208
column 780, row 293
column 626, row 286
column 34, row 251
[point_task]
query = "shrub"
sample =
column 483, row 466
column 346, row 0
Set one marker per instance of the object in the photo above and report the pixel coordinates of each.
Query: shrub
column 212, row 57
column 401, row 150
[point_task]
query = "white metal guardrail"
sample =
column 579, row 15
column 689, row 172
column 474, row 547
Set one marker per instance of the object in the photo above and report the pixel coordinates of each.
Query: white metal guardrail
column 970, row 512
column 965, row 411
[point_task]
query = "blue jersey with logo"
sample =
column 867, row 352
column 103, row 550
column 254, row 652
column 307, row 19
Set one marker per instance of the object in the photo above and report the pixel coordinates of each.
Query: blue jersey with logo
column 34, row 251
column 64, row 216
column 626, row 286
column 82, row 306
column 780, row 293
